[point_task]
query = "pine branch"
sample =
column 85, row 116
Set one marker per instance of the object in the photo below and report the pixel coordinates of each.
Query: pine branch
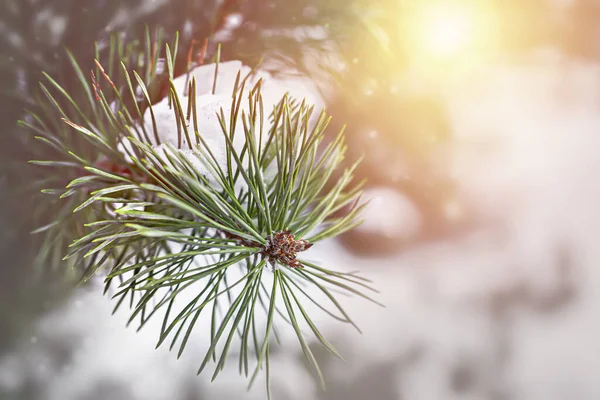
column 165, row 217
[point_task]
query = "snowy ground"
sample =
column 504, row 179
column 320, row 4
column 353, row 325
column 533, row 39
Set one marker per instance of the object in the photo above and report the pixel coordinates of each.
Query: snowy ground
column 509, row 312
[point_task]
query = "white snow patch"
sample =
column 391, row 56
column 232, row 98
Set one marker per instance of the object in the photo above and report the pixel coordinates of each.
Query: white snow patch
column 389, row 213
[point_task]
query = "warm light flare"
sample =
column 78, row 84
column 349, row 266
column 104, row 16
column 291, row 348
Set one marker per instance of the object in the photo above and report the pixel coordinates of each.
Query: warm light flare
column 446, row 33
column 451, row 32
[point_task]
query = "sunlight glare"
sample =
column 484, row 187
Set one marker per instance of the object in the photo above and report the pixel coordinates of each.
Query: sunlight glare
column 447, row 34
column 451, row 29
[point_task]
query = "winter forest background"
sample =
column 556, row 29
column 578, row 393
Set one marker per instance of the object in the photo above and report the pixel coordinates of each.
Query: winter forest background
column 482, row 163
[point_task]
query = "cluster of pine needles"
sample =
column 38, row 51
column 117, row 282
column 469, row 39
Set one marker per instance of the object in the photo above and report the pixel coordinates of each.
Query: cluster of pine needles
column 155, row 227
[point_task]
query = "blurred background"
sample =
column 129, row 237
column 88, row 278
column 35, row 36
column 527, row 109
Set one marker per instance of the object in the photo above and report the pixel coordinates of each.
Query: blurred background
column 479, row 125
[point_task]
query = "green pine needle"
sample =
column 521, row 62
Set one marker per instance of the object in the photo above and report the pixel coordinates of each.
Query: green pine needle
column 160, row 220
